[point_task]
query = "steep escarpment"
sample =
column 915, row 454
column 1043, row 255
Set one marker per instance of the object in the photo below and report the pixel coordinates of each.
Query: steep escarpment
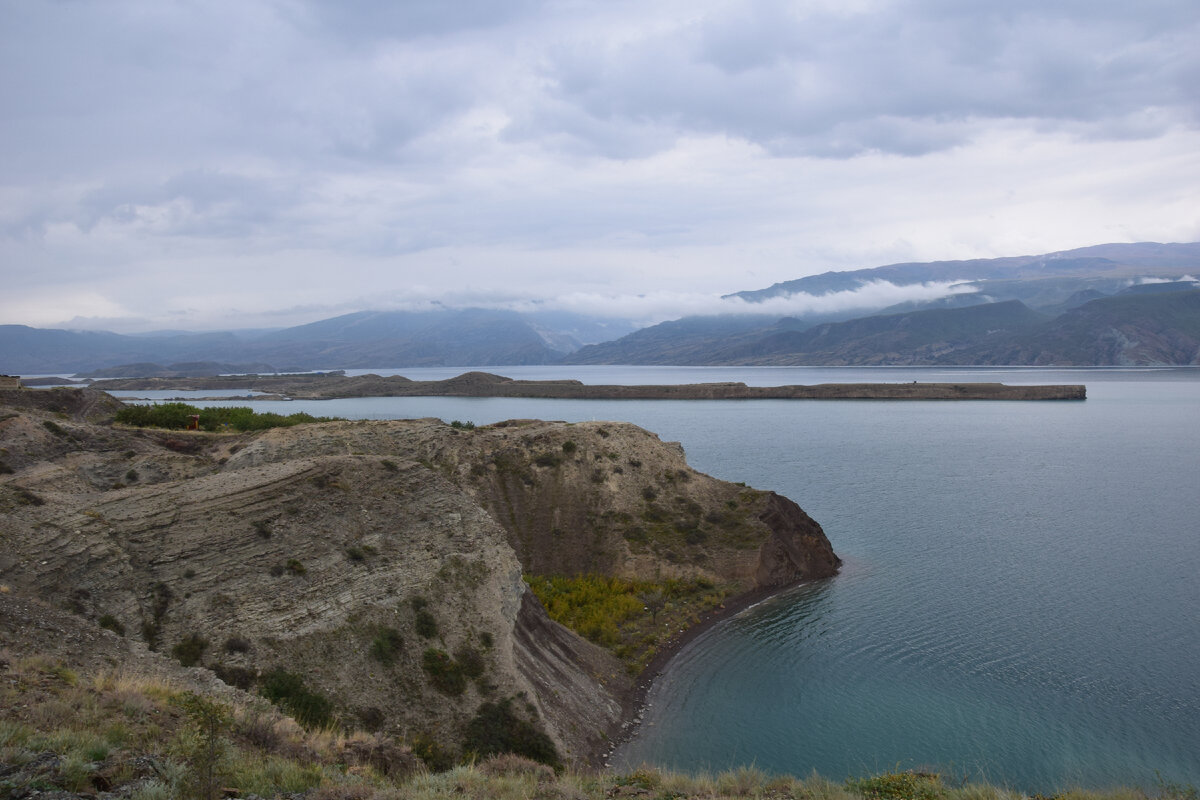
column 595, row 497
column 373, row 570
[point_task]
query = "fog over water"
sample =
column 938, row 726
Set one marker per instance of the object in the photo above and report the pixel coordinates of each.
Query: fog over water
column 1020, row 593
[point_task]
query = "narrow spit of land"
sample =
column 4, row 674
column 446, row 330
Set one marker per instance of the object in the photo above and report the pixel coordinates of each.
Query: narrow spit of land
column 328, row 386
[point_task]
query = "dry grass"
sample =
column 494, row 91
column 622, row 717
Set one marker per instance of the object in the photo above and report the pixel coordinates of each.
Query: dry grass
column 122, row 732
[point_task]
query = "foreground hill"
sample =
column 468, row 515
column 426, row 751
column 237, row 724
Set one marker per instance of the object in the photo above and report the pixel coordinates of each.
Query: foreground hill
column 371, row 574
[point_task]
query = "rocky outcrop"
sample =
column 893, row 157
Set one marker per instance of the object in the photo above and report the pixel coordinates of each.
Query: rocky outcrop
column 347, row 552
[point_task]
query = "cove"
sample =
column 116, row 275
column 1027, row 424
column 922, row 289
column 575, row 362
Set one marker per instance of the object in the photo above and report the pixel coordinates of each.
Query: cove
column 1020, row 592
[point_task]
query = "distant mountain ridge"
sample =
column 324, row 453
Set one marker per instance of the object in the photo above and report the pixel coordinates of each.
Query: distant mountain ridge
column 979, row 323
column 1014, row 310
column 464, row 337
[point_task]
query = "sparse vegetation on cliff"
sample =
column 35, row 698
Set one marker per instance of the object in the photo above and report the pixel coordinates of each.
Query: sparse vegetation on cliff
column 632, row 618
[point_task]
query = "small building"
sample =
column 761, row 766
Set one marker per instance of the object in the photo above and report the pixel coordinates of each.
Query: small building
column 10, row 382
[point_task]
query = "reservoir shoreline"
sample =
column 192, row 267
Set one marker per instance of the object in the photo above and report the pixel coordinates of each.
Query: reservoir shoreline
column 635, row 702
column 329, row 386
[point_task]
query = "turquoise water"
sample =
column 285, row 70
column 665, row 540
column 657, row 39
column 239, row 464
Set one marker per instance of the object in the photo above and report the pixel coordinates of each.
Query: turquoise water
column 1021, row 594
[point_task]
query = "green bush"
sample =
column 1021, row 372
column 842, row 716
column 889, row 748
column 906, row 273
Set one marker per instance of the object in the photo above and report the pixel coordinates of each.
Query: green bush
column 899, row 786
column 466, row 426
column 287, row 690
column 386, row 645
column 470, row 661
column 444, row 672
column 55, row 428
column 495, row 728
column 237, row 644
column 176, row 416
column 190, row 650
column 113, row 624
column 430, row 750
column 569, row 447
column 427, row 626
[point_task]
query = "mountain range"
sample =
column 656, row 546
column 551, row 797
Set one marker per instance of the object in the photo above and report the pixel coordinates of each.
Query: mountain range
column 1112, row 304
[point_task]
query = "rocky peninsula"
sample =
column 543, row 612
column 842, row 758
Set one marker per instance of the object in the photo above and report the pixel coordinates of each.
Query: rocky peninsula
column 381, row 571
column 325, row 386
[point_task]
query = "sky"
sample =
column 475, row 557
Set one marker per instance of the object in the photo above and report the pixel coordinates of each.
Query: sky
column 225, row 164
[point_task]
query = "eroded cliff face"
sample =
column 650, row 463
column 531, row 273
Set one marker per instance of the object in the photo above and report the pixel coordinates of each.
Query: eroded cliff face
column 345, row 552
column 595, row 497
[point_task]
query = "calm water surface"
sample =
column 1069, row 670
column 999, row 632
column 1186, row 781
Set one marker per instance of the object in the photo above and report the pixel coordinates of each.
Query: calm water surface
column 1021, row 594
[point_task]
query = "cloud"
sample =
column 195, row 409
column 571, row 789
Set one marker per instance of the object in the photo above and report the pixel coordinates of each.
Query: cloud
column 321, row 154
column 900, row 77
column 654, row 307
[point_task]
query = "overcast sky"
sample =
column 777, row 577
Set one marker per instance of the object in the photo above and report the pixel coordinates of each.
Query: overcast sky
column 230, row 163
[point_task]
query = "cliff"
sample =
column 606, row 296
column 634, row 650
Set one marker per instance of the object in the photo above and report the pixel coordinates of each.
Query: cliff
column 347, row 553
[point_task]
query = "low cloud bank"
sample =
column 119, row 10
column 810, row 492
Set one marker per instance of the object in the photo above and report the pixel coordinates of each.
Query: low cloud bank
column 652, row 308
column 638, row 310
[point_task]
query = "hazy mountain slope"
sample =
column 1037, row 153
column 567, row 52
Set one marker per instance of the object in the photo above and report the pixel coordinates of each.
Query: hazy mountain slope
column 1134, row 328
column 689, row 340
column 32, row 350
column 469, row 337
column 919, row 337
column 1120, row 261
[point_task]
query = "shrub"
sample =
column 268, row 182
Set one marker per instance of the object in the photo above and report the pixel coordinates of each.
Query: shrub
column 295, row 567
column 429, row 750
column 569, row 447
column 427, row 626
column 235, row 676
column 287, row 690
column 190, row 650
column 389, row 465
column 236, row 644
column 513, row 765
column 355, row 553
column 176, row 416
column 649, row 494
column 113, row 624
column 386, row 645
column 26, row 497
column 444, row 672
column 55, row 428
column 262, row 527
column 496, row 729
column 899, row 786
column 466, row 426
column 470, row 661
column 206, row 750
column 383, row 755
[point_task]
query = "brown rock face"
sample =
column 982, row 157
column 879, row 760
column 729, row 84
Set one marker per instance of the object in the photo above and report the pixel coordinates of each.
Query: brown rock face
column 797, row 550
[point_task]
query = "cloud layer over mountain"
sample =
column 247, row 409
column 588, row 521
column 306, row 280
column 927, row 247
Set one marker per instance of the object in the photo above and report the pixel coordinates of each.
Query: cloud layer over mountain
column 228, row 163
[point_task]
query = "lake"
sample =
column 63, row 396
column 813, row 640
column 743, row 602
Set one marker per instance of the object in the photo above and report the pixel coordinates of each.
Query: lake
column 1020, row 600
